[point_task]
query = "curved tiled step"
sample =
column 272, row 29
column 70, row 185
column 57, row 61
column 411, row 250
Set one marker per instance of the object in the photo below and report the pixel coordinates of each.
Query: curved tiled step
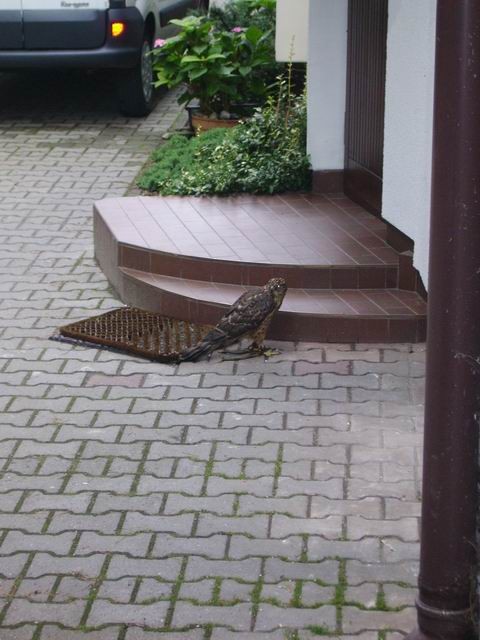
column 315, row 314
column 310, row 241
column 192, row 257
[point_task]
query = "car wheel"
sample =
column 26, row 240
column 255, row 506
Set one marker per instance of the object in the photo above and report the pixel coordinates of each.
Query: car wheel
column 135, row 89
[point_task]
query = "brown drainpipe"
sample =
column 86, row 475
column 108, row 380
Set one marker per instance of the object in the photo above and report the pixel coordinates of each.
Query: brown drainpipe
column 449, row 562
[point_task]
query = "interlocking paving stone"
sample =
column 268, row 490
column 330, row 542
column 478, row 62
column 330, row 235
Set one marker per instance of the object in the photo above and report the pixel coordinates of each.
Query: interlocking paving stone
column 92, row 542
column 243, row 547
column 242, row 569
column 256, row 525
column 231, row 590
column 49, row 632
column 332, row 488
column 404, row 489
column 271, row 617
column 140, row 634
column 66, row 614
column 25, row 632
column 235, row 617
column 282, row 592
column 72, row 588
column 329, row 527
column 47, row 564
column 213, row 547
column 315, row 595
column 405, row 529
column 296, row 506
column 367, row 507
column 151, row 589
column 276, row 569
column 151, row 615
column 33, row 523
column 36, row 589
column 357, row 620
column 121, row 566
column 223, row 634
column 260, row 487
column 223, row 504
column 199, row 591
column 62, row 504
column 131, row 490
column 406, row 572
column 366, row 550
column 364, row 594
column 19, row 541
column 396, row 597
column 238, row 435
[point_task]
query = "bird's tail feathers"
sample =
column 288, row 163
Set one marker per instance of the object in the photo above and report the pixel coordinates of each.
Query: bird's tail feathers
column 194, row 353
column 213, row 340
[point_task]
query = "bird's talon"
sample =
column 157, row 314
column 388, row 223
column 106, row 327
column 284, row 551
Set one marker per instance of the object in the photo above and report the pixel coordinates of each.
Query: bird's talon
column 269, row 353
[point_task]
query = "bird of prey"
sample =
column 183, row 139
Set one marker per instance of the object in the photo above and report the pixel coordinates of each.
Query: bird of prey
column 248, row 317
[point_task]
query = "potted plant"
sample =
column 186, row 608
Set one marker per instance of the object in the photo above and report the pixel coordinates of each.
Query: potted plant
column 219, row 69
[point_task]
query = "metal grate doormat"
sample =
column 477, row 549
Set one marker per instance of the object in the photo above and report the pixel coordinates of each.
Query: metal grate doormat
column 135, row 331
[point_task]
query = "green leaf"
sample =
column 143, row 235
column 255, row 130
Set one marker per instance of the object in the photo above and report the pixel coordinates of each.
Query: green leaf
column 198, row 73
column 199, row 49
column 253, row 34
column 244, row 71
column 187, row 59
column 215, row 56
column 212, row 88
column 180, row 23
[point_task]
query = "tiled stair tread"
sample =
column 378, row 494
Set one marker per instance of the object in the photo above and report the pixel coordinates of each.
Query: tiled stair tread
column 297, row 229
column 378, row 303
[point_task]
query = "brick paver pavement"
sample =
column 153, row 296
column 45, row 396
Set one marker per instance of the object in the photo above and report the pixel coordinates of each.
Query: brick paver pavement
column 140, row 501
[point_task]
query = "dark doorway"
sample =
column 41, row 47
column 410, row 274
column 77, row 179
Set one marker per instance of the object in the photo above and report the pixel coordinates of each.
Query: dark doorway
column 367, row 54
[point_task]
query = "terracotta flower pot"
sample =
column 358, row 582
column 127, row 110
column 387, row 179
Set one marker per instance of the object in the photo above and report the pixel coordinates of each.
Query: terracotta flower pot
column 202, row 123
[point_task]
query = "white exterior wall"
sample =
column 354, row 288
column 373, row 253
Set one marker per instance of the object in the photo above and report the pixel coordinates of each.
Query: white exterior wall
column 327, row 64
column 409, row 122
column 291, row 37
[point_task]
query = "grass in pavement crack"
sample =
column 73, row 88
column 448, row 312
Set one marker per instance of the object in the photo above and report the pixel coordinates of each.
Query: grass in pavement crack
column 94, row 591
column 15, row 586
column 10, row 458
column 141, row 468
column 216, row 591
column 209, row 469
column 175, row 592
column 320, row 630
column 340, row 591
column 38, row 631
column 278, row 468
column 256, row 595
column 297, row 594
column 73, row 466
column 47, row 522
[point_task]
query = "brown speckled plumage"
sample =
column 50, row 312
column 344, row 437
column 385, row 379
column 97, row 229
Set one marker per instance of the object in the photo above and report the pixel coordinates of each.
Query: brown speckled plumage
column 248, row 317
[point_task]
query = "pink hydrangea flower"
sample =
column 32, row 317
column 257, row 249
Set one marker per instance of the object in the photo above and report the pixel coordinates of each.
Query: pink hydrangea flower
column 159, row 43
column 238, row 30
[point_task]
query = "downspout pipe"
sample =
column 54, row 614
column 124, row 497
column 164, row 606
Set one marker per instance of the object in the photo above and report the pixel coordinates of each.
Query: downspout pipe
column 449, row 559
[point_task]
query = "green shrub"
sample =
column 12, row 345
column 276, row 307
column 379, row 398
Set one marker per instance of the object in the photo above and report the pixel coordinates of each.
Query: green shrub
column 259, row 14
column 245, row 13
column 266, row 154
column 176, row 156
column 218, row 68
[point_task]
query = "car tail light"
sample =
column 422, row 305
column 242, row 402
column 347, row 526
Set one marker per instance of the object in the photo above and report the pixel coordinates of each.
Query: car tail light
column 118, row 28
